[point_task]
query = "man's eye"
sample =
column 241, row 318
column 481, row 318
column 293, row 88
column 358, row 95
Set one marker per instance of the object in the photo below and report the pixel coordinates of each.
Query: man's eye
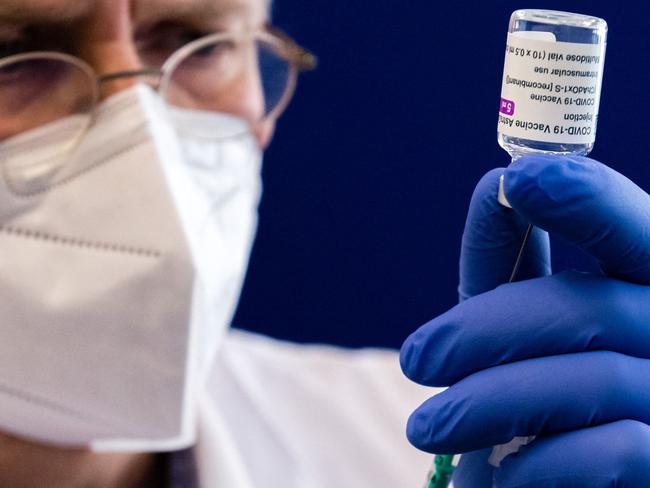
column 32, row 72
column 185, row 37
column 163, row 41
column 216, row 48
column 21, row 70
column 10, row 48
column 167, row 37
column 12, row 70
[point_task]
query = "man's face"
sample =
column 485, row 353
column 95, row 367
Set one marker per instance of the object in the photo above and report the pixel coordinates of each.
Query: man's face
column 121, row 35
column 111, row 36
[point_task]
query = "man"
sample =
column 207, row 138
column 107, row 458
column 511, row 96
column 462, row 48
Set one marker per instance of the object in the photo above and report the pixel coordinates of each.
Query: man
column 131, row 136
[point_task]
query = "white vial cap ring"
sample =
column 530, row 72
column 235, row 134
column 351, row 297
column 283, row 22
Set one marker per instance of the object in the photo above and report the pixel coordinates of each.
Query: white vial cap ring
column 503, row 200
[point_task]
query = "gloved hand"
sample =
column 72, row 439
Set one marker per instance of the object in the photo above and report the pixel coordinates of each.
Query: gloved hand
column 563, row 357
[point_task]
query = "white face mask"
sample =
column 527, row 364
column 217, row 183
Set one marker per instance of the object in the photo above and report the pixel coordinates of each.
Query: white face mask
column 120, row 271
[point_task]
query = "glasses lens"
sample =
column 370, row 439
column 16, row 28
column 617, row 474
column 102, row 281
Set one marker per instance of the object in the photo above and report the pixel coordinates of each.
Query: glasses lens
column 46, row 103
column 276, row 75
column 247, row 78
column 37, row 90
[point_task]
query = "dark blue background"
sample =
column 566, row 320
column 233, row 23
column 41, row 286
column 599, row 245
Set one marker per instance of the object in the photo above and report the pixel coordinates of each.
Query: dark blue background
column 369, row 178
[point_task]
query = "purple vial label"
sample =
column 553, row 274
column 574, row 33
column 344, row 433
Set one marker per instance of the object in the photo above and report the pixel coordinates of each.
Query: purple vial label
column 507, row 107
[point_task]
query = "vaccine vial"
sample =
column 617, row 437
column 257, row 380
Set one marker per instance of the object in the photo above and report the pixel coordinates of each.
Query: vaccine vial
column 552, row 81
column 552, row 78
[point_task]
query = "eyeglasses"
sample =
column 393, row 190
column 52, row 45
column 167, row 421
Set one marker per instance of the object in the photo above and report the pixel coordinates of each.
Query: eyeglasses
column 211, row 73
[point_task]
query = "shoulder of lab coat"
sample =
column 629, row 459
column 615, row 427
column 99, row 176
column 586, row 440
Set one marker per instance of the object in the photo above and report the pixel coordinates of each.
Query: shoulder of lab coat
column 279, row 414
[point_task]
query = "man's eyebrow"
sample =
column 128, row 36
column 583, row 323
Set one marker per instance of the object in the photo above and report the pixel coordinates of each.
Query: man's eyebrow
column 43, row 11
column 144, row 10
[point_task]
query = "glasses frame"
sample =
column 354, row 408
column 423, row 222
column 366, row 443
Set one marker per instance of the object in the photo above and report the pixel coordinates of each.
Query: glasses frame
column 298, row 58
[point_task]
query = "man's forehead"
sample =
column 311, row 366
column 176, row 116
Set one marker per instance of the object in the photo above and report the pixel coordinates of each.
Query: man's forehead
column 20, row 10
column 69, row 10
column 147, row 9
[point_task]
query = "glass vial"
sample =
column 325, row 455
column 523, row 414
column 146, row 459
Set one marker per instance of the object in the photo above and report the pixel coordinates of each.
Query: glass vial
column 551, row 82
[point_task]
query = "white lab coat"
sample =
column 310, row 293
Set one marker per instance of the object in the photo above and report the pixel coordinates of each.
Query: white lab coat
column 282, row 415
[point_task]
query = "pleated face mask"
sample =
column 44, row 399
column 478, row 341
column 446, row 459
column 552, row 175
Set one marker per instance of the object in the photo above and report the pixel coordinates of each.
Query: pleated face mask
column 120, row 267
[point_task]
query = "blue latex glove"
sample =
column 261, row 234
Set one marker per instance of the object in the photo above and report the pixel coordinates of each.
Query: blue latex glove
column 563, row 357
